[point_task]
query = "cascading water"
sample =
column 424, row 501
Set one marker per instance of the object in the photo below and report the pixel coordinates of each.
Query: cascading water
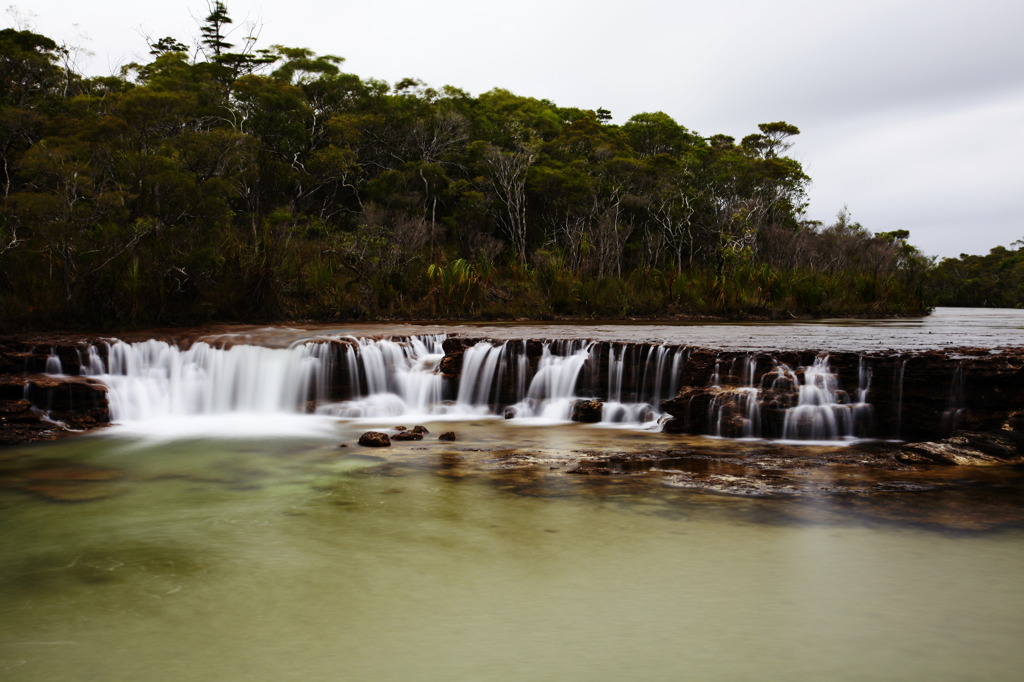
column 823, row 410
column 898, row 398
column 391, row 378
column 154, row 379
column 615, row 409
column 53, row 365
column 402, row 379
column 553, row 388
column 735, row 411
column 478, row 388
column 954, row 401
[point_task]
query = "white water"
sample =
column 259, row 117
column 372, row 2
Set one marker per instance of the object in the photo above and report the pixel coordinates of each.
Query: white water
column 154, row 379
column 161, row 391
column 824, row 411
column 158, row 387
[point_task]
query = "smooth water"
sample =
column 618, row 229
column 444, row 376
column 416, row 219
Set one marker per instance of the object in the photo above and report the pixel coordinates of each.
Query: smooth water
column 272, row 558
column 944, row 328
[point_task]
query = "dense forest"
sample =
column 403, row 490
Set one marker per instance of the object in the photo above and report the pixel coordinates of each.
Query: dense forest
column 231, row 183
column 995, row 280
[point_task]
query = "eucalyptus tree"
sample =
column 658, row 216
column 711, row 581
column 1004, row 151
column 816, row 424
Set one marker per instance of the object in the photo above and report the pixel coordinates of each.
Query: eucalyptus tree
column 506, row 171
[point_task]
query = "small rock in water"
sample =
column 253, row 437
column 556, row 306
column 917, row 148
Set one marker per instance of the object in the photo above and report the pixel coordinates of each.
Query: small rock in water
column 447, row 435
column 374, row 439
column 419, row 428
column 400, row 428
column 407, row 435
column 343, row 445
column 587, row 411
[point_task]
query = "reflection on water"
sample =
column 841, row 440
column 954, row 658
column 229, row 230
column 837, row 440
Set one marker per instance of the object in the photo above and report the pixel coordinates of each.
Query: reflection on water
column 274, row 558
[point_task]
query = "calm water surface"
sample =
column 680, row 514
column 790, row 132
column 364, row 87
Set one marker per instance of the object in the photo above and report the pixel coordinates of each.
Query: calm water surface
column 946, row 327
column 278, row 558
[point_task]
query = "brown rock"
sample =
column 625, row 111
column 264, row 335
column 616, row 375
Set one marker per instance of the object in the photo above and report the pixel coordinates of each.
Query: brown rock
column 944, row 452
column 407, row 435
column 374, row 439
column 587, row 411
column 447, row 435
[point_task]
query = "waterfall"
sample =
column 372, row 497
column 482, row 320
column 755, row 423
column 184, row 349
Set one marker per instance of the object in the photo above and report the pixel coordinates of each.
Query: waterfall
column 735, row 411
column 557, row 380
column 154, row 379
column 652, row 375
column 391, row 378
column 898, row 400
column 478, row 388
column 615, row 365
column 954, row 411
column 553, row 387
column 53, row 365
column 823, row 411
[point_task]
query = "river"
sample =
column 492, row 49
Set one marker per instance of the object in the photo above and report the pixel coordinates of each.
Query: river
column 230, row 547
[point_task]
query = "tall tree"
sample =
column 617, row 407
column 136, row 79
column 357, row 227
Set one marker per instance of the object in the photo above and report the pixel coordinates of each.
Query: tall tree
column 214, row 39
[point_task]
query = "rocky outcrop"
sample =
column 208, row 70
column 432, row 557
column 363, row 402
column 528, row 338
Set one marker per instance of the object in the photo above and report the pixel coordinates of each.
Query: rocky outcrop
column 917, row 397
column 42, row 407
column 969, row 448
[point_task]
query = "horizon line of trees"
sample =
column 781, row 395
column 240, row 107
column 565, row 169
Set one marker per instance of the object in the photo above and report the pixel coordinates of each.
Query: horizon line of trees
column 993, row 280
column 266, row 184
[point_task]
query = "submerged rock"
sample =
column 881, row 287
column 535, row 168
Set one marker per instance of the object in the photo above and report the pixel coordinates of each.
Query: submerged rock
column 407, row 435
column 375, row 439
column 63, row 481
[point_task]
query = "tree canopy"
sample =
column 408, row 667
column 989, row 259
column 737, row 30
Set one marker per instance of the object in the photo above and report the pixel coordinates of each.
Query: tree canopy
column 994, row 280
column 267, row 184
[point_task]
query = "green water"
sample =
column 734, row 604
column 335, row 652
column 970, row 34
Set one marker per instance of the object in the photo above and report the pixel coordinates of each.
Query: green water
column 274, row 559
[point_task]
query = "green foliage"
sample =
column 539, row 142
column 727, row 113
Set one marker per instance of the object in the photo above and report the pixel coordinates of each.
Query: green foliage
column 255, row 184
column 995, row 280
column 453, row 285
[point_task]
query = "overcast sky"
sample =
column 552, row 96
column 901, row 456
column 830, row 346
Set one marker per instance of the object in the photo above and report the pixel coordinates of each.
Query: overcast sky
column 911, row 111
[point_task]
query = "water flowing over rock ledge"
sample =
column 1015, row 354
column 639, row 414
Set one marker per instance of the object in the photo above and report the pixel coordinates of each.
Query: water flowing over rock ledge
column 952, row 406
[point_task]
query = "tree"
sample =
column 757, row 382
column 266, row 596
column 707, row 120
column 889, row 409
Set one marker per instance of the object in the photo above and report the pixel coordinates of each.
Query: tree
column 506, row 171
column 656, row 133
column 776, row 137
column 214, row 40
column 166, row 44
column 29, row 67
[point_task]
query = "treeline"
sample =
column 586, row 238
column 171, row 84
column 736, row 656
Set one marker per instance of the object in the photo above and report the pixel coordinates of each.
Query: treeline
column 995, row 280
column 238, row 184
